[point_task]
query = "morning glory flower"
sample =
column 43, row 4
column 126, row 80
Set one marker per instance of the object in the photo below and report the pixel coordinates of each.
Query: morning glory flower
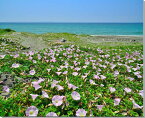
column 103, row 77
column 65, row 72
column 34, row 96
column 6, row 89
column 127, row 90
column 112, row 89
column 75, row 73
column 72, row 86
column 75, row 95
column 58, row 73
column 141, row 92
column 16, row 55
column 136, row 106
column 81, row 112
column 100, row 107
column 2, row 56
column 31, row 111
column 57, row 100
column 44, row 94
column 36, row 85
column 48, row 70
column 117, row 101
column 116, row 73
column 92, row 82
column 53, row 83
column 15, row 65
column 51, row 114
column 59, row 87
column 40, row 80
column 32, row 72
column 96, row 77
column 130, row 78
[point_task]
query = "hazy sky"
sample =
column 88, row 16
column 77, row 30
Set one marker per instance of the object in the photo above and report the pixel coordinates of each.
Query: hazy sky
column 71, row 10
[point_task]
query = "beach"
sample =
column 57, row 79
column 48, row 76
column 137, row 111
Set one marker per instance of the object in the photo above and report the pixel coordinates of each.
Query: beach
column 82, row 71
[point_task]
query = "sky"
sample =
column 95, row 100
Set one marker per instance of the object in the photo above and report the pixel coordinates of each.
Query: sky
column 71, row 10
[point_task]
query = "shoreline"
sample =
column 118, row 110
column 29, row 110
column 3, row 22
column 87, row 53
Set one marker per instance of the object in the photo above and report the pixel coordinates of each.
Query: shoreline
column 119, row 35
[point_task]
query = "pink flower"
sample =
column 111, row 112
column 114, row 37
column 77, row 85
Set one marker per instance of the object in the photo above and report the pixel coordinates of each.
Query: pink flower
column 53, row 83
column 100, row 107
column 15, row 65
column 2, row 56
column 31, row 111
column 40, row 80
column 77, row 69
column 59, row 87
column 75, row 73
column 96, row 77
column 34, row 96
column 17, row 55
column 57, row 100
column 112, row 89
column 31, row 53
column 44, row 94
column 48, row 70
column 117, row 101
column 32, row 72
column 53, row 60
column 92, row 82
column 58, row 73
column 139, row 76
column 103, row 77
column 130, row 78
column 141, row 92
column 34, row 61
column 81, row 112
column 127, row 90
column 6, row 89
column 36, row 85
column 72, row 86
column 51, row 114
column 65, row 72
column 116, row 73
column 136, row 106
column 75, row 95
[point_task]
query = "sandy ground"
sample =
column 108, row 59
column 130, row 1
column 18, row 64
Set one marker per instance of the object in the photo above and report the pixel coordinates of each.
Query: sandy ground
column 38, row 42
column 96, row 39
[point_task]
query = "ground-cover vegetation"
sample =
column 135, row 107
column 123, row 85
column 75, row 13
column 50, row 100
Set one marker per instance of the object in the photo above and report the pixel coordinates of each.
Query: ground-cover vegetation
column 3, row 31
column 73, row 81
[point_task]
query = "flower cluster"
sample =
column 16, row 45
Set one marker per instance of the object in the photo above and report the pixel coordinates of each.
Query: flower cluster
column 75, row 81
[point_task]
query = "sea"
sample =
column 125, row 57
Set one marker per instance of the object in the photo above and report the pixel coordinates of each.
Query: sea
column 77, row 28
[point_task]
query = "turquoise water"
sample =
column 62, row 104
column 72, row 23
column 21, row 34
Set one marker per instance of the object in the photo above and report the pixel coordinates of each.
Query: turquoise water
column 78, row 28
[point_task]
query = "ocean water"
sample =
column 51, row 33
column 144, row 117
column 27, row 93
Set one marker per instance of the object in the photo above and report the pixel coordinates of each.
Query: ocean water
column 78, row 28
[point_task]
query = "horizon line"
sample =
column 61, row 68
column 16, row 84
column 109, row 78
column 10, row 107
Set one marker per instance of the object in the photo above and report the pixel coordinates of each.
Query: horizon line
column 63, row 22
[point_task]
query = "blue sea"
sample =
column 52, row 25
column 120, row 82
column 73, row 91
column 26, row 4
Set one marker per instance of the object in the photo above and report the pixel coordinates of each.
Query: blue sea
column 78, row 28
